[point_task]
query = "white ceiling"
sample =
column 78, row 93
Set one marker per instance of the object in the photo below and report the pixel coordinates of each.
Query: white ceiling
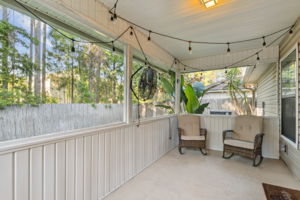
column 231, row 20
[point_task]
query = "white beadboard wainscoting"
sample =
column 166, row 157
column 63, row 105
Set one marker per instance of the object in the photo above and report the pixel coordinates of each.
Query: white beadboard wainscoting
column 215, row 124
column 83, row 165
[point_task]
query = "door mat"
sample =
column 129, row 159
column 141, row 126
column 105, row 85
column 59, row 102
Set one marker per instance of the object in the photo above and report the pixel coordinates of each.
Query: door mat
column 280, row 193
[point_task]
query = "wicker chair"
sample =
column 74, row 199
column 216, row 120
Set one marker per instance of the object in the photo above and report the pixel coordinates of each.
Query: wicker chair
column 190, row 133
column 245, row 140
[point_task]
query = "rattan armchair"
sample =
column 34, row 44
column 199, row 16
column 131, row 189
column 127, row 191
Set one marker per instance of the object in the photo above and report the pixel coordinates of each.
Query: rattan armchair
column 191, row 135
column 245, row 139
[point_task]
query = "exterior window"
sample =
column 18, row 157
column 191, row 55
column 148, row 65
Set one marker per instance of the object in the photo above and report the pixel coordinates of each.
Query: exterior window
column 46, row 87
column 288, row 96
column 163, row 100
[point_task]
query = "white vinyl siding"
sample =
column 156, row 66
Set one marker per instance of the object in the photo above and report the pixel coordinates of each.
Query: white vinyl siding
column 267, row 92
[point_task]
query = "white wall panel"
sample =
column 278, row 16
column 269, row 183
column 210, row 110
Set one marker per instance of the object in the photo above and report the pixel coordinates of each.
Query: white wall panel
column 7, row 176
column 36, row 173
column 60, row 170
column 86, row 166
column 22, row 175
column 79, row 167
column 70, row 169
column 49, row 172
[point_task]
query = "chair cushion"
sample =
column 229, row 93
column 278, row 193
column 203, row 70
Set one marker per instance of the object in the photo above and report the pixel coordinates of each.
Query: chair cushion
column 239, row 143
column 246, row 127
column 188, row 137
column 190, row 124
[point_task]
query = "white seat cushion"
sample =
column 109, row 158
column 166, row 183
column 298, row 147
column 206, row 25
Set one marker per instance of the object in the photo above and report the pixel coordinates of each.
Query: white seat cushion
column 239, row 143
column 192, row 137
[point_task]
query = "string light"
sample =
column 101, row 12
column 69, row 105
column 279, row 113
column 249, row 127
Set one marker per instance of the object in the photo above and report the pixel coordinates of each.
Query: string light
column 113, row 46
column 73, row 46
column 225, row 70
column 149, row 36
column 114, row 16
column 257, row 57
column 131, row 32
column 190, row 47
column 291, row 30
column 113, row 9
column 264, row 41
column 175, row 62
column 228, row 47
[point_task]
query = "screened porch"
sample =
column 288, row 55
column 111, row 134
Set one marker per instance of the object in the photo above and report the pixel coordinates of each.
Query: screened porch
column 93, row 95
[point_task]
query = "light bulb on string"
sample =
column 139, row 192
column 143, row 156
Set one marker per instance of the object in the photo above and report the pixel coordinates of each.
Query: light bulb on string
column 115, row 15
column 291, row 30
column 149, row 36
column 190, row 47
column 73, row 46
column 226, row 70
column 131, row 32
column 264, row 42
column 228, row 48
column 257, row 58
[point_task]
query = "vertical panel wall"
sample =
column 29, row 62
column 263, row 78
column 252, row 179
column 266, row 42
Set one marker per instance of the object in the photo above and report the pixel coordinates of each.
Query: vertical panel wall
column 216, row 124
column 88, row 166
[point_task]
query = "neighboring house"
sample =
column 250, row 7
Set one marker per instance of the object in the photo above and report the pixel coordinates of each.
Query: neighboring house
column 219, row 99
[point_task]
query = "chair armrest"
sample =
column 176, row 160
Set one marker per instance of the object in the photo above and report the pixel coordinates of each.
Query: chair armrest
column 203, row 132
column 225, row 134
column 258, row 140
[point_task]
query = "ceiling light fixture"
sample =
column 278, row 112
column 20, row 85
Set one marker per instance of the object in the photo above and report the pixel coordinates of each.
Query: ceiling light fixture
column 209, row 3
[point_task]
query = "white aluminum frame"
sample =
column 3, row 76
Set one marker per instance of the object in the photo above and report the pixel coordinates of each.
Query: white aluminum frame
column 295, row 47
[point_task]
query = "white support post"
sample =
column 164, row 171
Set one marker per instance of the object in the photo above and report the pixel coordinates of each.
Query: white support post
column 177, row 91
column 128, row 59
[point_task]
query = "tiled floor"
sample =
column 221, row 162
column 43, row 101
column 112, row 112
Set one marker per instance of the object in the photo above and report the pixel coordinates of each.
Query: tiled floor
column 192, row 176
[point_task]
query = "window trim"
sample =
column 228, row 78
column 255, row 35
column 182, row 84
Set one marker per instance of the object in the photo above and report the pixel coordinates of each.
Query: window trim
column 294, row 48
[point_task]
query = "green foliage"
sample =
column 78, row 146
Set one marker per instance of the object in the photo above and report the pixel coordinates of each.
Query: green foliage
column 190, row 95
column 238, row 93
column 192, row 104
column 91, row 74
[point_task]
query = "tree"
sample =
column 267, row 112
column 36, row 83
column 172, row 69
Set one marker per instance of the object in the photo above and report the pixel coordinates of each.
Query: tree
column 44, row 51
column 238, row 93
column 37, row 62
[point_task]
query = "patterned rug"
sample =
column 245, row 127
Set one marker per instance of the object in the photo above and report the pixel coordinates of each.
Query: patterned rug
column 280, row 193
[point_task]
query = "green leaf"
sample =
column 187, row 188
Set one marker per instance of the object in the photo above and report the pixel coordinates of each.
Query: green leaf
column 169, row 108
column 182, row 80
column 168, row 86
column 201, row 108
column 192, row 104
